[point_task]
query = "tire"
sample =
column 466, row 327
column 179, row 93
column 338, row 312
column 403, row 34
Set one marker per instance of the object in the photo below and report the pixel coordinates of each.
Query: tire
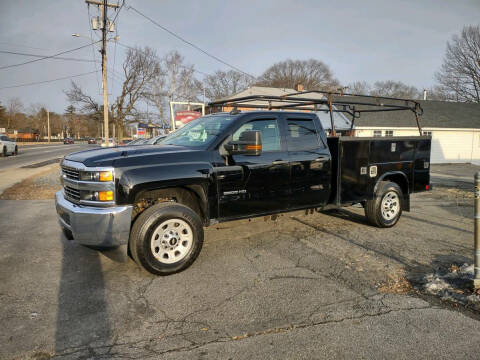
column 4, row 151
column 164, row 233
column 385, row 209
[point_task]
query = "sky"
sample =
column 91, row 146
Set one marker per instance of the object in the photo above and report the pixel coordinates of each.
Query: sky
column 368, row 40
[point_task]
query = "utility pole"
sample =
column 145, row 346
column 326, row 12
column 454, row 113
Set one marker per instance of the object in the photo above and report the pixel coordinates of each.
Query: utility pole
column 48, row 125
column 104, row 5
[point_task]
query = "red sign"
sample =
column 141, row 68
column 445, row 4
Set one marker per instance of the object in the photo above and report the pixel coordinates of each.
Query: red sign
column 186, row 116
column 140, row 132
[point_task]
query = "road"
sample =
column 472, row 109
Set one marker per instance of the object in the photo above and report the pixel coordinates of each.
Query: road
column 300, row 287
column 31, row 154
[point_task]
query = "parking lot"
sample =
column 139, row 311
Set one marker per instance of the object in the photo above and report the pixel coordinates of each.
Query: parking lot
column 299, row 286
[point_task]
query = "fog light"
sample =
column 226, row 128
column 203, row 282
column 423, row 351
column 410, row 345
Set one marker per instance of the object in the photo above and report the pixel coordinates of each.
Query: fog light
column 105, row 195
column 106, row 176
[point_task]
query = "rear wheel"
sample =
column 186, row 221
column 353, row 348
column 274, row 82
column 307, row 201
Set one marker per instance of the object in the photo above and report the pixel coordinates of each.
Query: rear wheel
column 166, row 238
column 385, row 209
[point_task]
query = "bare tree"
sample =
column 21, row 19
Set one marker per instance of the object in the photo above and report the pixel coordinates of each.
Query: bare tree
column 312, row 74
column 397, row 89
column 225, row 83
column 359, row 88
column 14, row 107
column 85, row 102
column 460, row 71
column 3, row 115
column 175, row 81
column 140, row 68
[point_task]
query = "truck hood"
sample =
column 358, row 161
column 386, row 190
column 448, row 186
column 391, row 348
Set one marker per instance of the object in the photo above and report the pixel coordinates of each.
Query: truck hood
column 108, row 156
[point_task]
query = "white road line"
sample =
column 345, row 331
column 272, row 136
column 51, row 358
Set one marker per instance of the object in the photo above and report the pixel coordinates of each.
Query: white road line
column 27, row 148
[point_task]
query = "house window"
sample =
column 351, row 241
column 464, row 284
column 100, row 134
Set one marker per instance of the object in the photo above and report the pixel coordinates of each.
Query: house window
column 377, row 133
column 388, row 132
column 427, row 133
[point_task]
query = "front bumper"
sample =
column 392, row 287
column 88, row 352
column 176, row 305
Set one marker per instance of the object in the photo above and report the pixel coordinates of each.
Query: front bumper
column 94, row 226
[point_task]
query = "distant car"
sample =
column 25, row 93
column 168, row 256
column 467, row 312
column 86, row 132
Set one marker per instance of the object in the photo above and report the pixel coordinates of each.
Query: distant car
column 68, row 141
column 111, row 143
column 92, row 141
column 7, row 146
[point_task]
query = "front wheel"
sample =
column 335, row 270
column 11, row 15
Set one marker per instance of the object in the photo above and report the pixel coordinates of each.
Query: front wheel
column 166, row 238
column 385, row 209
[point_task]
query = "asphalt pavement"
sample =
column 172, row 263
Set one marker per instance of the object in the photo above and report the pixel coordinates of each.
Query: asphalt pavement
column 31, row 154
column 300, row 287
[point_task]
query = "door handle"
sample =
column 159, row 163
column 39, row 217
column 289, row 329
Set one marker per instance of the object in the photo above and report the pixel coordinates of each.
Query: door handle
column 279, row 162
column 321, row 158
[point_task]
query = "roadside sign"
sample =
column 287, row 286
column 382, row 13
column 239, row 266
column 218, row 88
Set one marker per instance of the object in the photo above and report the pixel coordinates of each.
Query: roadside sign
column 185, row 116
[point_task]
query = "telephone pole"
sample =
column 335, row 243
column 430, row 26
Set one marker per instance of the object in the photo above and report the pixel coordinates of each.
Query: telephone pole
column 105, row 27
column 48, row 125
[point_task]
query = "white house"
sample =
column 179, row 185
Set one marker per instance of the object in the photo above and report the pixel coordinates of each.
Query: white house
column 453, row 126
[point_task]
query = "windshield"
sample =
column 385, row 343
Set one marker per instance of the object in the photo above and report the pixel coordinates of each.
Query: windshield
column 200, row 132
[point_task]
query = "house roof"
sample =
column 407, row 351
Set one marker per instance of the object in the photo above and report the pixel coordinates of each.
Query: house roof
column 437, row 114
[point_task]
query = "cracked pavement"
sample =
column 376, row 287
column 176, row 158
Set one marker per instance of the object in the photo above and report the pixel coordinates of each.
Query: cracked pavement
column 300, row 287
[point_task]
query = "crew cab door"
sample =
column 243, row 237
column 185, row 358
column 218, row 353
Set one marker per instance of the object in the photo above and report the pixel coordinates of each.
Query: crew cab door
column 252, row 185
column 310, row 161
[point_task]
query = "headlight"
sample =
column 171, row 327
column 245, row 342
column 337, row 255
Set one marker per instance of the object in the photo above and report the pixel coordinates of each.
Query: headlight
column 96, row 176
column 106, row 176
column 105, row 195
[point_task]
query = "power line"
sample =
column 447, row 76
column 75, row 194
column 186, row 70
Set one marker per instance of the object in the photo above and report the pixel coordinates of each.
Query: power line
column 190, row 43
column 47, row 81
column 118, row 11
column 45, row 57
column 42, row 56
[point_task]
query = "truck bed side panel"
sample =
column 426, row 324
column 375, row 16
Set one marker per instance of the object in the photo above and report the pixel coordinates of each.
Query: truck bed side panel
column 363, row 162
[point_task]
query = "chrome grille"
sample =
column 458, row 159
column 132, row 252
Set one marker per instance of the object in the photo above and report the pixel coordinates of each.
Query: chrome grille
column 71, row 193
column 71, row 173
column 77, row 189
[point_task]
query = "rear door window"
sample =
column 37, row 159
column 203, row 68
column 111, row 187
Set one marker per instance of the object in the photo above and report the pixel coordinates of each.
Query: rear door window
column 302, row 135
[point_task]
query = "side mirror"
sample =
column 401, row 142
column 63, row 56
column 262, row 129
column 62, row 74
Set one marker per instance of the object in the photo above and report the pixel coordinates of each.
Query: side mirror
column 249, row 143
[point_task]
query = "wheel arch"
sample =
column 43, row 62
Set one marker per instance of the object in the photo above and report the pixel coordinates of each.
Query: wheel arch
column 193, row 196
column 399, row 178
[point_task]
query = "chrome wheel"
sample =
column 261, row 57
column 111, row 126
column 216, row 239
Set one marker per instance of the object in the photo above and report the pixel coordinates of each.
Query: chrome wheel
column 390, row 205
column 171, row 241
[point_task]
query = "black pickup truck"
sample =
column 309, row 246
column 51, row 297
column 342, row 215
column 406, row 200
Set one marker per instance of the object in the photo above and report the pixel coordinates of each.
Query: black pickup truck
column 232, row 165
